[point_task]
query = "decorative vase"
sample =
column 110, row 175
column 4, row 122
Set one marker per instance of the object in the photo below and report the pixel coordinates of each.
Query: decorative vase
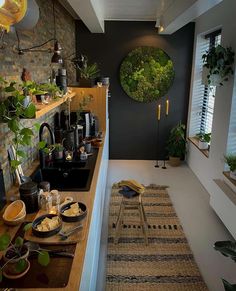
column 202, row 145
column 232, row 175
column 174, row 161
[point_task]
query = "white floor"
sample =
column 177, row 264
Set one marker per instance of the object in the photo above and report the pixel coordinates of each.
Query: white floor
column 191, row 201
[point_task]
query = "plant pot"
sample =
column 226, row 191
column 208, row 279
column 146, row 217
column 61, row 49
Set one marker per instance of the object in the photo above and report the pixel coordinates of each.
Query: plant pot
column 10, row 254
column 203, row 145
column 86, row 83
column 9, row 271
column 58, row 155
column 174, row 161
column 232, row 175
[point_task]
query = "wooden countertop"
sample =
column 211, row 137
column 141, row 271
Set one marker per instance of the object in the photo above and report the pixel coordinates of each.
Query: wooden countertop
column 88, row 199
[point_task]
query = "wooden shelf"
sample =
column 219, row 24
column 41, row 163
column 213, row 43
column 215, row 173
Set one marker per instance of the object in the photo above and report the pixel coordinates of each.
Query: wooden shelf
column 42, row 109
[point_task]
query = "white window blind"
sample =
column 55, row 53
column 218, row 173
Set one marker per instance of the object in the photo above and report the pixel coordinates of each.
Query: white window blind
column 203, row 98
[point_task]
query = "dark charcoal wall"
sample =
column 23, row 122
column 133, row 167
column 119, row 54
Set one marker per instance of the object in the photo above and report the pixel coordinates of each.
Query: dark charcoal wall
column 133, row 125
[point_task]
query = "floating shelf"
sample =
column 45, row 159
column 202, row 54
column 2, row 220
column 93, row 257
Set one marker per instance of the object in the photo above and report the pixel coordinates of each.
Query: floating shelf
column 42, row 109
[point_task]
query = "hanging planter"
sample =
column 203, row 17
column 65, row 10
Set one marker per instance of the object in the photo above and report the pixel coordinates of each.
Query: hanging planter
column 218, row 65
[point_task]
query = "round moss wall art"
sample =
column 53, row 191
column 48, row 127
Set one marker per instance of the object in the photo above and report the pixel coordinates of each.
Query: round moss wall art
column 146, row 74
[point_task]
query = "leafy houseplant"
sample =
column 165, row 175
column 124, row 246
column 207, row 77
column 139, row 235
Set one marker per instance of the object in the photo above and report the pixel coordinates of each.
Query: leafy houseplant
column 58, row 152
column 16, row 254
column 228, row 249
column 219, row 63
column 12, row 110
column 176, row 144
column 87, row 72
column 230, row 160
column 203, row 140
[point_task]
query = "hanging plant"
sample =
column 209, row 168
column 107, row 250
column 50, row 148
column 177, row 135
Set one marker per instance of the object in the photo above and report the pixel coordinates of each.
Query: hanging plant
column 219, row 64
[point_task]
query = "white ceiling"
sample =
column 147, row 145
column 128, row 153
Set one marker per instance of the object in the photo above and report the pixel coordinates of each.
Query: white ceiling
column 171, row 15
column 140, row 10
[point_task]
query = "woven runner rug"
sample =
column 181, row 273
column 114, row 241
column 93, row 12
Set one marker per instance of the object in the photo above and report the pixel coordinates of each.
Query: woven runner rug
column 166, row 263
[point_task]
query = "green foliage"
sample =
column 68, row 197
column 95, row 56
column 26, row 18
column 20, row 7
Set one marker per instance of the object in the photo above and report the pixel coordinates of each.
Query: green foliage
column 27, row 226
column 43, row 258
column 21, row 266
column 5, row 240
column 230, row 160
column 205, row 137
column 51, row 89
column 146, row 74
column 12, row 110
column 89, row 71
column 176, row 144
column 219, row 61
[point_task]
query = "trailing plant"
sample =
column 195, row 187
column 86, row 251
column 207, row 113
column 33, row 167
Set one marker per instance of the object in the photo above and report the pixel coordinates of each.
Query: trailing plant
column 227, row 249
column 176, row 144
column 52, row 89
column 230, row 160
column 204, row 137
column 15, row 253
column 219, row 61
column 12, row 110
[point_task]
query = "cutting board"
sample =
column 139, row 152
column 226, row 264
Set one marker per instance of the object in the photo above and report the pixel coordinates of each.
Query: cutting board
column 75, row 237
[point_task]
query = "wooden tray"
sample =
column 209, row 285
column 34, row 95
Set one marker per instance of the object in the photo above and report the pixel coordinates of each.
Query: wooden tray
column 75, row 237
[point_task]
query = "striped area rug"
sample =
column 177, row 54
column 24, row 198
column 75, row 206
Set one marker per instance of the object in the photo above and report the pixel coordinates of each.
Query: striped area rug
column 167, row 263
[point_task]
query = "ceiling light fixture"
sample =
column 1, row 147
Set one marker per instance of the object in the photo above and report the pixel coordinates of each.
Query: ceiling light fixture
column 56, row 58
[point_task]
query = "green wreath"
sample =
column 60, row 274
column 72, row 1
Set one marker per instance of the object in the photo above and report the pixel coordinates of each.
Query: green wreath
column 146, row 74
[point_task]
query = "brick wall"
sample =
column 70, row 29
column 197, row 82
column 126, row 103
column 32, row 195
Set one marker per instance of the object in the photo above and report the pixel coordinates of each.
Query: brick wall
column 11, row 65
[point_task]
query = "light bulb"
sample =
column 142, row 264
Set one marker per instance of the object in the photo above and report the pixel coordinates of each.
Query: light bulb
column 2, row 2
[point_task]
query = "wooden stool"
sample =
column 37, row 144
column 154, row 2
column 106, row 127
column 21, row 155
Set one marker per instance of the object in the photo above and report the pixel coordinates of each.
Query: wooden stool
column 128, row 204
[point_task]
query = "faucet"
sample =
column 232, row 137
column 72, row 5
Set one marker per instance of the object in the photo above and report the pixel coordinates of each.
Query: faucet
column 52, row 137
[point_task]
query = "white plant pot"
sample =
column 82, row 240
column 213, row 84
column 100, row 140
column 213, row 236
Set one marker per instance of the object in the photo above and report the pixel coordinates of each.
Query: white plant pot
column 203, row 145
column 232, row 175
column 215, row 79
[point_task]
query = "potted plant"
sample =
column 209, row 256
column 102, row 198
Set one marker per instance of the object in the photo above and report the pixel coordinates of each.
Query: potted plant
column 176, row 144
column 228, row 249
column 12, row 110
column 218, row 65
column 52, row 89
column 58, row 151
column 15, row 258
column 203, row 140
column 87, row 72
column 230, row 160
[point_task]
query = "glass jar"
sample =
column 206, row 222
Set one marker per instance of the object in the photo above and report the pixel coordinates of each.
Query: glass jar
column 45, row 201
column 56, row 199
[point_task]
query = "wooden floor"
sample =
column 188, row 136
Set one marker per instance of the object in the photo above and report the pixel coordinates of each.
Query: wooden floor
column 201, row 225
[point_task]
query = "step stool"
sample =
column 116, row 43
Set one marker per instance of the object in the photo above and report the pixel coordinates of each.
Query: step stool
column 128, row 204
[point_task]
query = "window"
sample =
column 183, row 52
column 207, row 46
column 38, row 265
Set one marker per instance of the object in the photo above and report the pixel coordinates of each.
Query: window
column 203, row 98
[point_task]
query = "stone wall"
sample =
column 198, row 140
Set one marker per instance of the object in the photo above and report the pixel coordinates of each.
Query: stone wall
column 39, row 65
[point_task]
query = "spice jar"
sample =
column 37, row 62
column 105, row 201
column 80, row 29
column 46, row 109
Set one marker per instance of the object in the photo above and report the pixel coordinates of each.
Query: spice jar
column 56, row 199
column 29, row 194
column 45, row 201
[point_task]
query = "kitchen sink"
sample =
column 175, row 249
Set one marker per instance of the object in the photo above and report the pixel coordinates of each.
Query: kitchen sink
column 64, row 175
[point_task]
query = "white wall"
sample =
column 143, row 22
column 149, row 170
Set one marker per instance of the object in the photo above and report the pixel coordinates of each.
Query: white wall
column 223, row 15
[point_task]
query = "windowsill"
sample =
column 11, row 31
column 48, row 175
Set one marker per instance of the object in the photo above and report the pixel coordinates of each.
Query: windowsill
column 228, row 180
column 194, row 141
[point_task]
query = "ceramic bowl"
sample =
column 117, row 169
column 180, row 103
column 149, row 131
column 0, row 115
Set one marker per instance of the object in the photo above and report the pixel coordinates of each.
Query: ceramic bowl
column 15, row 213
column 73, row 218
column 15, row 210
column 48, row 233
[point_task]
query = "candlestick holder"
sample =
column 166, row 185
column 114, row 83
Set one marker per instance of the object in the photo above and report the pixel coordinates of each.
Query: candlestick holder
column 158, row 124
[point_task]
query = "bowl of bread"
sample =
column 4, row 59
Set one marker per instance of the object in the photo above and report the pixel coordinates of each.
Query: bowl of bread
column 73, row 211
column 46, row 225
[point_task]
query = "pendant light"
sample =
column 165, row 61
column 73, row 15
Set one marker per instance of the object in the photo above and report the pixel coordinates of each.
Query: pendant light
column 56, row 58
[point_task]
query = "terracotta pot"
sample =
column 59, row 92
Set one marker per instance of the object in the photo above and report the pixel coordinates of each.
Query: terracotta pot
column 9, row 271
column 174, row 161
column 10, row 254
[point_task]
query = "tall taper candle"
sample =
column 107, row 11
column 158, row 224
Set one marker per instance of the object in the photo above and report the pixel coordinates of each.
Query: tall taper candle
column 159, row 112
column 167, row 107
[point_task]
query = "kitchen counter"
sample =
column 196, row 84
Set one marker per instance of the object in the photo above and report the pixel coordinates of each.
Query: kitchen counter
column 87, row 198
